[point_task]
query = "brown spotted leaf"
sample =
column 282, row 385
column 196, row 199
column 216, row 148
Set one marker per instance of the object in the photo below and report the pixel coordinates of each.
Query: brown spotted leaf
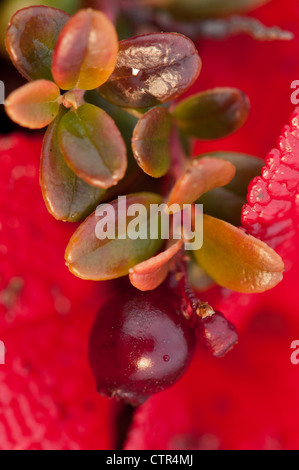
column 200, row 176
column 34, row 105
column 150, row 142
column 86, row 51
column 236, row 260
column 93, row 146
column 93, row 253
column 152, row 69
column 67, row 197
column 31, row 37
column 151, row 273
column 212, row 114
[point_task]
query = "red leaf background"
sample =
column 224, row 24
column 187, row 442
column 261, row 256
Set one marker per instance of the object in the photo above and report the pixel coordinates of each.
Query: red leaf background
column 247, row 400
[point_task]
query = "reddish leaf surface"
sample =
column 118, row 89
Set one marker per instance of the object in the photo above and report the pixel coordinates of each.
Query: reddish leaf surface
column 151, row 273
column 86, row 51
column 31, row 37
column 152, row 69
column 34, row 105
column 92, row 146
column 202, row 175
column 272, row 212
column 150, row 142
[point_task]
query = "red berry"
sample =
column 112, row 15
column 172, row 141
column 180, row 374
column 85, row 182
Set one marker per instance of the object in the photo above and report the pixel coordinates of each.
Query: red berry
column 217, row 334
column 139, row 345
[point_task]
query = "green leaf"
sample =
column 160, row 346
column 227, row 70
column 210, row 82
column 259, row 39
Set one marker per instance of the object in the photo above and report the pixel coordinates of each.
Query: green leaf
column 152, row 69
column 201, row 176
column 212, row 114
column 86, row 51
column 31, row 37
column 150, row 142
column 88, row 257
column 34, row 105
column 93, row 146
column 151, row 273
column 223, row 204
column 67, row 197
column 236, row 260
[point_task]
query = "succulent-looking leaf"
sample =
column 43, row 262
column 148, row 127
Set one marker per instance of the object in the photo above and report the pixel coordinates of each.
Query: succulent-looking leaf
column 200, row 176
column 272, row 212
column 223, row 204
column 86, row 51
column 236, row 260
column 247, row 167
column 151, row 273
column 34, row 105
column 205, row 8
column 226, row 203
column 93, row 146
column 67, row 197
column 150, row 142
column 31, row 37
column 88, row 257
column 212, row 114
column 152, row 69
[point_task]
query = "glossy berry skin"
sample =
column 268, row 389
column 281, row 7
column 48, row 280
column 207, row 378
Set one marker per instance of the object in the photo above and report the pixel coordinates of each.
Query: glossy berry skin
column 139, row 345
column 217, row 334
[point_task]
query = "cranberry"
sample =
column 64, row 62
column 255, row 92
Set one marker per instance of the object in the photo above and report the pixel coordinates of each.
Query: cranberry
column 139, row 345
column 217, row 334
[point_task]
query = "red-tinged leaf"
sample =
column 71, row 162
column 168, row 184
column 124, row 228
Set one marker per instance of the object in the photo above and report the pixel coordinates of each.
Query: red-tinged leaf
column 247, row 167
column 93, row 146
column 201, row 175
column 212, row 114
column 152, row 69
column 236, row 260
column 34, row 105
column 151, row 273
column 150, row 142
column 67, row 197
column 86, row 51
column 272, row 212
column 31, row 37
column 90, row 257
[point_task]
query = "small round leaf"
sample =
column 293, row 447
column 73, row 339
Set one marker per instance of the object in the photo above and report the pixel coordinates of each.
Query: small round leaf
column 93, row 146
column 86, row 51
column 200, row 176
column 31, row 37
column 67, row 197
column 247, row 167
column 90, row 257
column 150, row 142
column 152, row 69
column 212, row 114
column 34, row 105
column 236, row 260
column 151, row 273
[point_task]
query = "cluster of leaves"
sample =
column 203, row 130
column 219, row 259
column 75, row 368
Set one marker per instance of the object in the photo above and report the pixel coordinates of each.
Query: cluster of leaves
column 87, row 158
